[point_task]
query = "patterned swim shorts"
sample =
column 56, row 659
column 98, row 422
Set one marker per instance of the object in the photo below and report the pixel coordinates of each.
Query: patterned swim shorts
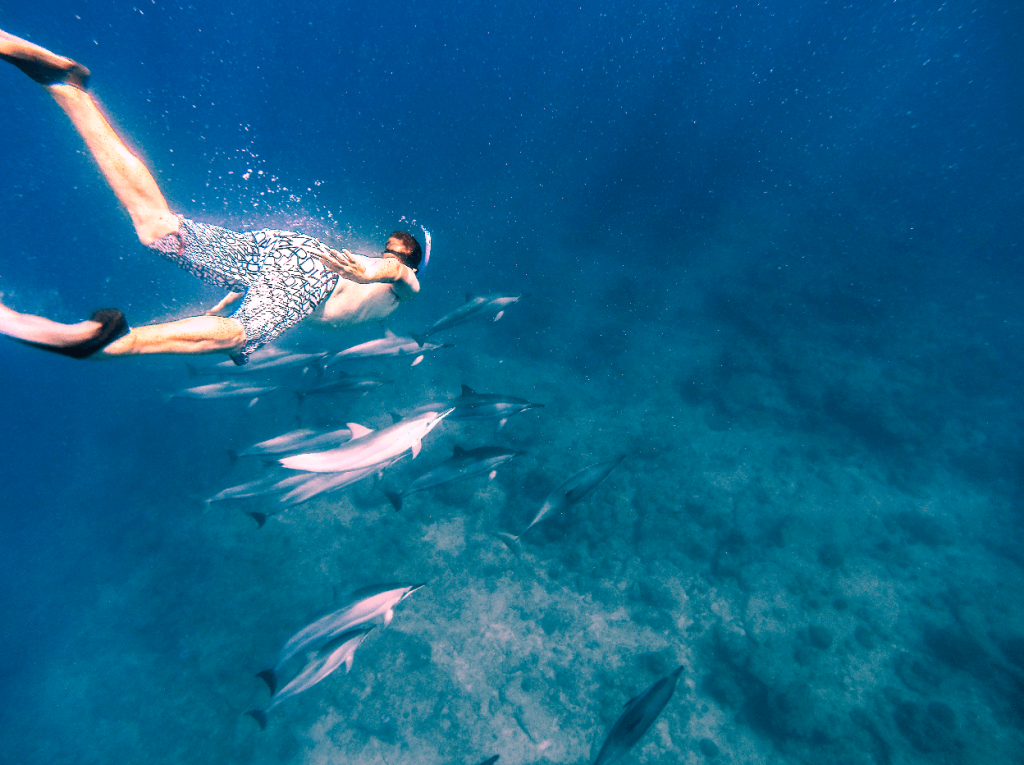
column 279, row 271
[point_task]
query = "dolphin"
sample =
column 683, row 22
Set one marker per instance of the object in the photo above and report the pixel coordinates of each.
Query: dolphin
column 369, row 447
column 389, row 345
column 343, row 383
column 261, row 487
column 223, row 389
column 476, row 407
column 479, row 305
column 263, row 360
column 366, row 604
column 312, row 485
column 335, row 652
column 567, row 494
column 641, row 712
column 462, row 464
column 297, row 441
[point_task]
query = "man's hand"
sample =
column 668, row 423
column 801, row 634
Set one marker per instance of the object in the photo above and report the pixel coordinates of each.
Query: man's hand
column 343, row 263
column 230, row 298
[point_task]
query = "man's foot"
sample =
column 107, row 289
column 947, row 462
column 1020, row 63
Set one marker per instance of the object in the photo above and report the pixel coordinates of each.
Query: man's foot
column 41, row 65
column 75, row 340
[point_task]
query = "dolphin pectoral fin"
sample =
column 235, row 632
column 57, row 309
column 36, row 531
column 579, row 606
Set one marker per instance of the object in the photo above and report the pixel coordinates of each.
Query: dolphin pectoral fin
column 269, row 676
column 511, row 541
column 499, row 315
column 416, row 449
column 259, row 716
column 253, row 402
column 490, row 476
column 388, row 616
column 417, row 360
column 501, row 424
column 394, row 498
column 348, row 662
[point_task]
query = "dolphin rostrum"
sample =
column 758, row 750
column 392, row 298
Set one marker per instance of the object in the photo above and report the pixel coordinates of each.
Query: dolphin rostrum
column 369, row 447
column 480, row 305
column 366, row 604
column 335, row 652
column 576, row 489
column 641, row 712
column 462, row 464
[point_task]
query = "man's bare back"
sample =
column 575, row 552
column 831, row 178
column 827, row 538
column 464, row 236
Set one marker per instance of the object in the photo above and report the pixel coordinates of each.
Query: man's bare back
column 353, row 303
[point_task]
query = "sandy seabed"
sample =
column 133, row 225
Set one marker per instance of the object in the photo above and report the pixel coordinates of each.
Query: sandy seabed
column 786, row 525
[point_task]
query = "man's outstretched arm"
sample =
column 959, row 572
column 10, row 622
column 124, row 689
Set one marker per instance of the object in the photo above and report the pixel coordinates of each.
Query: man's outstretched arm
column 373, row 271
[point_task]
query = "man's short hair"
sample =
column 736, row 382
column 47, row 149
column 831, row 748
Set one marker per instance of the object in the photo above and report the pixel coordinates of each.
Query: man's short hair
column 415, row 255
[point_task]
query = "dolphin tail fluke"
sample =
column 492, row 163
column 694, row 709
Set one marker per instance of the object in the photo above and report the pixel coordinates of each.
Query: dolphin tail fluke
column 511, row 541
column 260, row 519
column 269, row 676
column 394, row 498
column 259, row 716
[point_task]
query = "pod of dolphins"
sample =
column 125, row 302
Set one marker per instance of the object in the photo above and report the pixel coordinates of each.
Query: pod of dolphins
column 307, row 463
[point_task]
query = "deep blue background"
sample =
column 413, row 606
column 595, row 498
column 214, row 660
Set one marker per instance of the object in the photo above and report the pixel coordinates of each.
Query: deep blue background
column 867, row 152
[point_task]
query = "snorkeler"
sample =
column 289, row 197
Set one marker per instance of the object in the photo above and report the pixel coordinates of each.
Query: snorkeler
column 283, row 277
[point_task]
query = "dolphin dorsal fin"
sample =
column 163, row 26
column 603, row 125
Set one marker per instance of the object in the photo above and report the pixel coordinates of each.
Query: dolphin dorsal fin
column 358, row 431
column 459, row 451
column 469, row 296
column 467, row 391
column 388, row 334
column 395, row 417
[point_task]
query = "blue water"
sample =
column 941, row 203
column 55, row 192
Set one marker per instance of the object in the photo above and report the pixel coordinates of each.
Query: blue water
column 772, row 254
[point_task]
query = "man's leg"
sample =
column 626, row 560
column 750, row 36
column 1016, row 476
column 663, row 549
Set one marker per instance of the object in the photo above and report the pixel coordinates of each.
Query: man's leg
column 130, row 180
column 192, row 336
column 65, row 80
column 196, row 335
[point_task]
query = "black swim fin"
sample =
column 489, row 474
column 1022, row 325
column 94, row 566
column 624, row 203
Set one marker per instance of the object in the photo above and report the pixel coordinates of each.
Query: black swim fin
column 114, row 325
